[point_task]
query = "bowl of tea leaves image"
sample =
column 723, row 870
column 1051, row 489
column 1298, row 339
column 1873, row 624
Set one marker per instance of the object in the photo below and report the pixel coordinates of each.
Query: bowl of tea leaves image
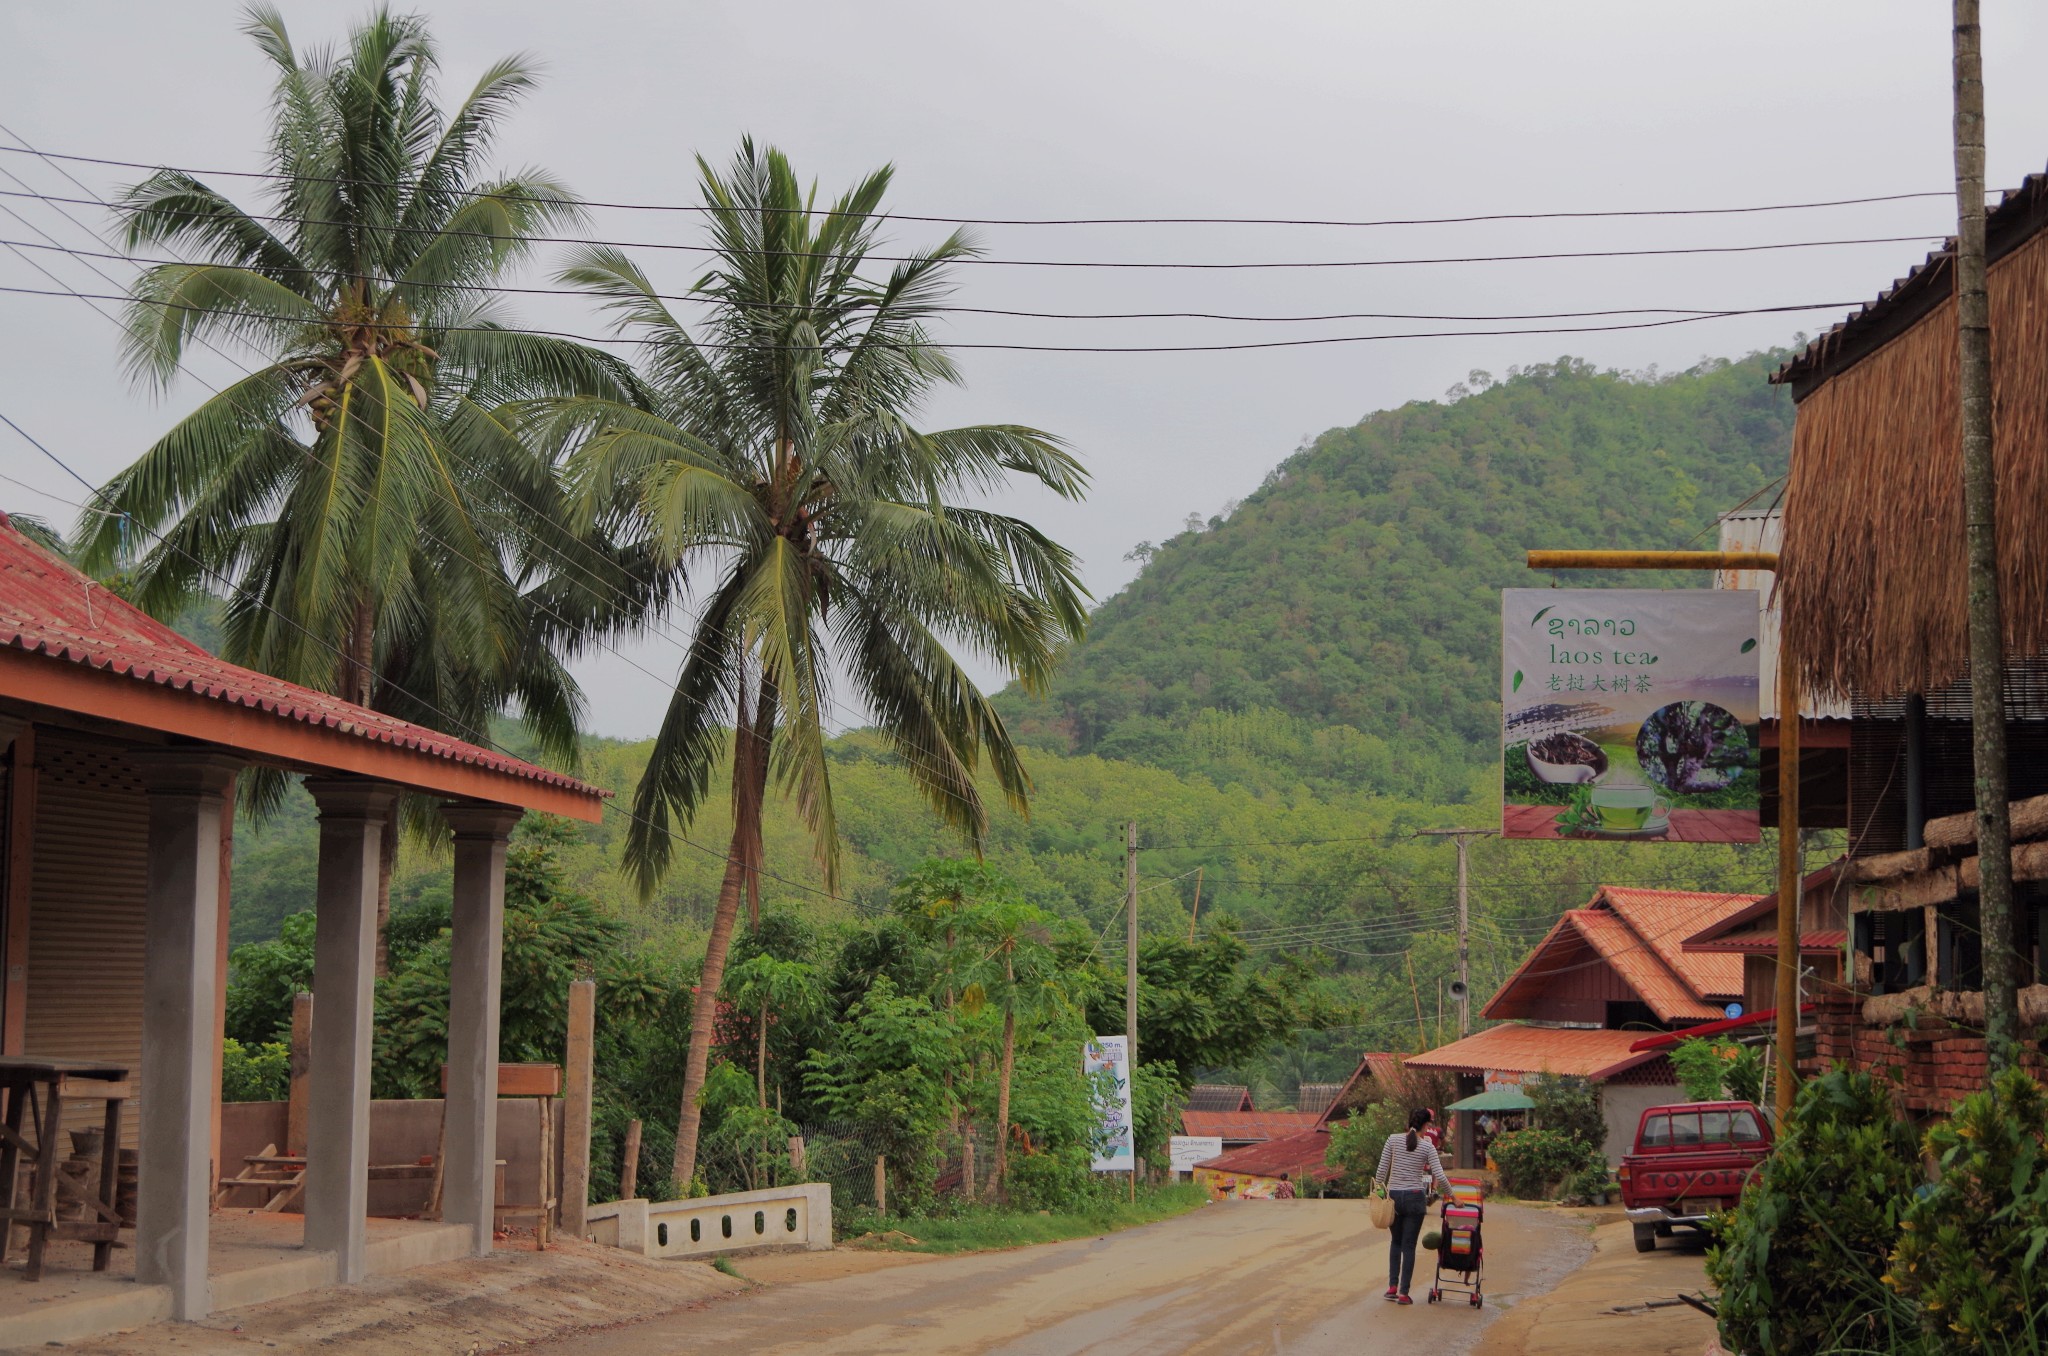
column 1565, row 758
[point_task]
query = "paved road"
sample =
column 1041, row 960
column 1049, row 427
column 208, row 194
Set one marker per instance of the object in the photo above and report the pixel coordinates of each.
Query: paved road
column 1240, row 1278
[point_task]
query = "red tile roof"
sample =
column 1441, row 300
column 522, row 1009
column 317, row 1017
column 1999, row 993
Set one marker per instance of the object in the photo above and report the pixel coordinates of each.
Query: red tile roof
column 1300, row 1155
column 50, row 609
column 1246, row 1125
column 1640, row 934
column 1755, row 927
column 1516, row 1048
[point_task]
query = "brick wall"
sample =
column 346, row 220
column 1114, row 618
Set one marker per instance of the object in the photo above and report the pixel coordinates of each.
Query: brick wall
column 1938, row 1063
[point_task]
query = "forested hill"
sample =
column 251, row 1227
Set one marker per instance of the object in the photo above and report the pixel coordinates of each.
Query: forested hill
column 1359, row 587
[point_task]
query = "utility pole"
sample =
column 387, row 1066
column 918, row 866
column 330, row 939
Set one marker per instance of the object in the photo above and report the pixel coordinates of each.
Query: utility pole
column 1131, row 945
column 1980, row 506
column 1462, row 837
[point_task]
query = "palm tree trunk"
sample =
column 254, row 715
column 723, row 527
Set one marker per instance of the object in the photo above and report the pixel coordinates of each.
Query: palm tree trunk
column 761, row 1055
column 1003, row 1101
column 704, row 1012
column 742, row 860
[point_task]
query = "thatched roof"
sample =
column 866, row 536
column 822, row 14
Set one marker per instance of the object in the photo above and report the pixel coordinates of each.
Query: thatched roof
column 1872, row 571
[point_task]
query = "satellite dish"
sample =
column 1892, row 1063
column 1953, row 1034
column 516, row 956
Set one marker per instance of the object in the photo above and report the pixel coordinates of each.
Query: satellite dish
column 1732, row 1011
column 1457, row 988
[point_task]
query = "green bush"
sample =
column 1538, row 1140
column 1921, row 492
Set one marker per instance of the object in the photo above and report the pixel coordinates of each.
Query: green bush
column 1355, row 1145
column 1531, row 1161
column 1799, row 1259
column 1587, row 1186
column 1711, row 1070
column 255, row 1073
column 1050, row 1181
column 1970, row 1249
column 1568, row 1105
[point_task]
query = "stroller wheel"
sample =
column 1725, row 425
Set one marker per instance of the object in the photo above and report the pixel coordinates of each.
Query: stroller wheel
column 1477, row 1301
column 1435, row 1295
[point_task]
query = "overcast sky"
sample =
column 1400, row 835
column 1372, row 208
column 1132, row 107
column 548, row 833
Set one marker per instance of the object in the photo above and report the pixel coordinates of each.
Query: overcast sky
column 1339, row 109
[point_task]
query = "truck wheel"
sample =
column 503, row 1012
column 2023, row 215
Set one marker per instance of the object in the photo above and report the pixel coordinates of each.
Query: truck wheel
column 1646, row 1238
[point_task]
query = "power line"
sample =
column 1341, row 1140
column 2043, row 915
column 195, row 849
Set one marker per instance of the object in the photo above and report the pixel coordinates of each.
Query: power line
column 1012, row 348
column 1139, row 264
column 507, row 289
column 1033, row 221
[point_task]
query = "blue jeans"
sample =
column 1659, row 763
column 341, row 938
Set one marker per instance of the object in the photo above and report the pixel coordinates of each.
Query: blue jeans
column 1410, row 1209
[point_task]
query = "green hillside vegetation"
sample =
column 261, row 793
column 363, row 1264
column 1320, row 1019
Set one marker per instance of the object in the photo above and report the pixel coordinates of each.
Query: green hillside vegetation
column 1348, row 612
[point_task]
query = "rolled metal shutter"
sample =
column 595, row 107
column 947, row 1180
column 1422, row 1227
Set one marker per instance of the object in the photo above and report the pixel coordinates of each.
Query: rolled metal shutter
column 85, row 950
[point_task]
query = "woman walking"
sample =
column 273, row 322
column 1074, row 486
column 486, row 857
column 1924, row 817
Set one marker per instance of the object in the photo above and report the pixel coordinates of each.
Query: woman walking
column 1408, row 1166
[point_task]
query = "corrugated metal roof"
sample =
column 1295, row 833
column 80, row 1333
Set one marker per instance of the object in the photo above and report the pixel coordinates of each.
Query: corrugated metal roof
column 1246, row 1125
column 1520, row 1049
column 1219, row 1097
column 49, row 608
column 1754, row 927
column 2015, row 219
column 1298, row 1155
column 1316, row 1097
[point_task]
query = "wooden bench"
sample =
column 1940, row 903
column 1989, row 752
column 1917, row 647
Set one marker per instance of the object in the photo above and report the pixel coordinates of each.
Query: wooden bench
column 36, row 1091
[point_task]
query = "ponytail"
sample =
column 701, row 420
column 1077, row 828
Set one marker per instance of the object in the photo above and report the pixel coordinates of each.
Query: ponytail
column 1417, row 1118
column 1411, row 1139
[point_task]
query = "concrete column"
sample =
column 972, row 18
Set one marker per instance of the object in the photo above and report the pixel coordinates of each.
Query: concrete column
column 344, row 966
column 476, row 942
column 180, row 1020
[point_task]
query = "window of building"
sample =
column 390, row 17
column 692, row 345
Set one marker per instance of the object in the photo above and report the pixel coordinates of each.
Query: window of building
column 1623, row 1013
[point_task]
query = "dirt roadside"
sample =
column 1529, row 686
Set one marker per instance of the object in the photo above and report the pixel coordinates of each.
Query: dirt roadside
column 511, row 1299
column 1577, row 1319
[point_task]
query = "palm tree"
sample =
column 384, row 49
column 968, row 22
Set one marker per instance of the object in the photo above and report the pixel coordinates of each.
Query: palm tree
column 1018, row 972
column 371, row 512
column 777, row 461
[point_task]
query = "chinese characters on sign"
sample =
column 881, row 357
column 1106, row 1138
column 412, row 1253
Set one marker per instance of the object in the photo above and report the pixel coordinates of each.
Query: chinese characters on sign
column 1630, row 713
column 1106, row 1062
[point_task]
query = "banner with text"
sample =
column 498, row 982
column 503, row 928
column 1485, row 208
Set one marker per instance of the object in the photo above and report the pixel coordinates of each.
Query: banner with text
column 1106, row 1060
column 1630, row 713
column 1184, row 1151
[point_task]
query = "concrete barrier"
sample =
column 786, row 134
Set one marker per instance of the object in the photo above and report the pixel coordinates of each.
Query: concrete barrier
column 788, row 1217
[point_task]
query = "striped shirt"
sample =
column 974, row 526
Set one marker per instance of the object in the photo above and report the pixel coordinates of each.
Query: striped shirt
column 1406, row 1169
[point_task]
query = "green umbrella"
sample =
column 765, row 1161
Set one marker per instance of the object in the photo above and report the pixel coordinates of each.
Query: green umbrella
column 1498, row 1099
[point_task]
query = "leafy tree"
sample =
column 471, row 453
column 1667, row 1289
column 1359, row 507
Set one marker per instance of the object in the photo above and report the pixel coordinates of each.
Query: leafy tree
column 255, row 1073
column 371, row 513
column 1568, row 1105
column 1799, row 1259
column 887, row 1077
column 763, row 982
column 1018, row 972
column 1970, row 1249
column 263, row 977
column 1356, row 1143
column 777, row 456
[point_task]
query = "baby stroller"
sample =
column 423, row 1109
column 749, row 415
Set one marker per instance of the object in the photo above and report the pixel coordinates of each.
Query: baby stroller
column 1460, row 1249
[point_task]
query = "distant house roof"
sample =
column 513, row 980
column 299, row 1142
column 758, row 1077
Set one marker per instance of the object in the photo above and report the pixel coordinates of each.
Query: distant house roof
column 1302, row 1156
column 1520, row 1049
column 1219, row 1097
column 1244, row 1127
column 69, row 644
column 1316, row 1097
column 1640, row 935
column 1375, row 1066
column 1754, row 929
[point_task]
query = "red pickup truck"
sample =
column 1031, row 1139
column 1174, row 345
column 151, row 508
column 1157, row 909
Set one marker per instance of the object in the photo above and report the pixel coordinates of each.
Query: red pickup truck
column 1689, row 1161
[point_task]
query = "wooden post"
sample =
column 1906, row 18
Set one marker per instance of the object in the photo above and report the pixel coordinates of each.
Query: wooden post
column 799, row 1162
column 967, row 1168
column 543, row 1227
column 300, row 1067
column 14, row 892
column 629, row 1169
column 881, row 1185
column 576, row 1108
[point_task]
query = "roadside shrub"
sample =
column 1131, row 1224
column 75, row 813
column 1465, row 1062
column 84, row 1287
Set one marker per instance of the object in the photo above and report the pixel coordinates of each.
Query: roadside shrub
column 1587, row 1186
column 1049, row 1181
column 1531, row 1161
column 255, row 1073
column 1970, row 1248
column 1568, row 1105
column 1799, row 1259
column 1355, row 1145
column 1711, row 1070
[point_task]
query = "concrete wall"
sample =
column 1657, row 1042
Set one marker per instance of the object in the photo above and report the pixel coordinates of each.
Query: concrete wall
column 746, row 1221
column 401, row 1132
column 1622, row 1106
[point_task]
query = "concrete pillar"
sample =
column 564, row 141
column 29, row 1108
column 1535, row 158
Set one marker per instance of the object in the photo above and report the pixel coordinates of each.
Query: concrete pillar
column 180, row 1020
column 469, row 1172
column 344, row 964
